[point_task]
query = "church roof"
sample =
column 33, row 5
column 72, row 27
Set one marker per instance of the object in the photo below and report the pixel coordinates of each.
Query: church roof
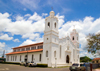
column 28, row 45
column 29, row 51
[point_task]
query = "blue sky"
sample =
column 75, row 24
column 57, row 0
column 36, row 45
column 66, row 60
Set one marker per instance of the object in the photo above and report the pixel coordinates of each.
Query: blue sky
column 22, row 21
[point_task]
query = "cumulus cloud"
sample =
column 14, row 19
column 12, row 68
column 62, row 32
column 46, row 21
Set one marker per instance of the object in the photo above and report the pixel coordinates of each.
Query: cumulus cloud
column 19, row 18
column 30, row 36
column 16, row 40
column 5, row 37
column 61, row 20
column 34, row 23
column 28, row 41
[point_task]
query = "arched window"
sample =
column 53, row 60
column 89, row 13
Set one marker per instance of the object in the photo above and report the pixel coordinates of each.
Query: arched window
column 40, row 57
column 13, row 58
column 32, row 57
column 73, row 37
column 46, row 53
column 54, row 53
column 49, row 24
column 20, row 57
column 55, row 25
column 60, row 51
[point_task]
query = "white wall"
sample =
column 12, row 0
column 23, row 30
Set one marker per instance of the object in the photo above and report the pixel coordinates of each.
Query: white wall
column 36, row 57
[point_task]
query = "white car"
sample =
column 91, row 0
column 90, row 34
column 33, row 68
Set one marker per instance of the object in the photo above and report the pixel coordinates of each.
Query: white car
column 32, row 64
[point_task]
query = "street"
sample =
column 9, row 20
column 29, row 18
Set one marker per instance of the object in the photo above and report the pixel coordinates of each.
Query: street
column 12, row 67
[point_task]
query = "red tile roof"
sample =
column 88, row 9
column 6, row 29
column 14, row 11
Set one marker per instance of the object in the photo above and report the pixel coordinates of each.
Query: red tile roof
column 28, row 45
column 37, row 50
column 96, row 59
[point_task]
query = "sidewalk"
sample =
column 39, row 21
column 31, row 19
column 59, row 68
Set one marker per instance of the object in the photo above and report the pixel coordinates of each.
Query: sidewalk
column 98, row 69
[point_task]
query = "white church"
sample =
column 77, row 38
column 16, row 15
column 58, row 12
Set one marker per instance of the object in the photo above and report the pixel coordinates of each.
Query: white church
column 52, row 51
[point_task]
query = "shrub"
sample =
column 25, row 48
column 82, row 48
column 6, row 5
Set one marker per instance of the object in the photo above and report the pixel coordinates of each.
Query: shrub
column 42, row 65
column 10, row 63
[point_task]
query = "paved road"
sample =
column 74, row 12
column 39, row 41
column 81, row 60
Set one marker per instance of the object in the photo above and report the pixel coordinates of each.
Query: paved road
column 11, row 67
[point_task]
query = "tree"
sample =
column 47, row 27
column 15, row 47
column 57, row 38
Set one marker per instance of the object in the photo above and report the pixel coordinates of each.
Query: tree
column 93, row 43
column 85, row 59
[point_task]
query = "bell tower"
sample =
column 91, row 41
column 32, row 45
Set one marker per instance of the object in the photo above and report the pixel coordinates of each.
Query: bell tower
column 75, row 37
column 51, row 39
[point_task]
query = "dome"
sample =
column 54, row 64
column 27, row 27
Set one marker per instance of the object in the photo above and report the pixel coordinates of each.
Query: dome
column 52, row 13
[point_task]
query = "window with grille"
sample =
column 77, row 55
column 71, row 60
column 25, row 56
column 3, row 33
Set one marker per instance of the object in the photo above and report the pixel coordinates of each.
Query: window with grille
column 18, row 49
column 23, row 49
column 14, row 50
column 33, row 48
column 40, row 47
column 28, row 48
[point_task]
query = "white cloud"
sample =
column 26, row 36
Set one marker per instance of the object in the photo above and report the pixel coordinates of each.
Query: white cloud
column 30, row 4
column 36, row 40
column 35, row 17
column 4, row 21
column 85, row 53
column 16, row 40
column 30, row 36
column 44, row 14
column 28, row 41
column 5, row 37
column 18, row 18
column 61, row 20
column 28, row 15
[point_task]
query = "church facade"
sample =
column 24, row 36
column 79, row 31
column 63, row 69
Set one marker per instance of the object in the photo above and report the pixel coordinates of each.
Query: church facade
column 52, row 51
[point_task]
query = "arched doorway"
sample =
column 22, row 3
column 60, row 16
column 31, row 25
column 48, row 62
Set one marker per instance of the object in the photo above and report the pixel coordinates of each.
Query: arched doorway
column 67, row 59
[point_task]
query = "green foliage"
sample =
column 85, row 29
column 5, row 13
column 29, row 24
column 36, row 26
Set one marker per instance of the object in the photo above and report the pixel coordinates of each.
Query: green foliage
column 42, row 65
column 93, row 43
column 85, row 59
column 11, row 63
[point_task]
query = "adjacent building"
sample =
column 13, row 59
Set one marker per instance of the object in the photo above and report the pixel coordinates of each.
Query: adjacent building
column 52, row 51
column 96, row 60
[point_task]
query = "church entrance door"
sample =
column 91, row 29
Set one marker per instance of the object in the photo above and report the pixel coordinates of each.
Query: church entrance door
column 67, row 59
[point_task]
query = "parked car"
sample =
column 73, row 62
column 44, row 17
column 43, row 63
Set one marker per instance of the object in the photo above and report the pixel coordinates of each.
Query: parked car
column 32, row 64
column 74, row 67
column 22, row 63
